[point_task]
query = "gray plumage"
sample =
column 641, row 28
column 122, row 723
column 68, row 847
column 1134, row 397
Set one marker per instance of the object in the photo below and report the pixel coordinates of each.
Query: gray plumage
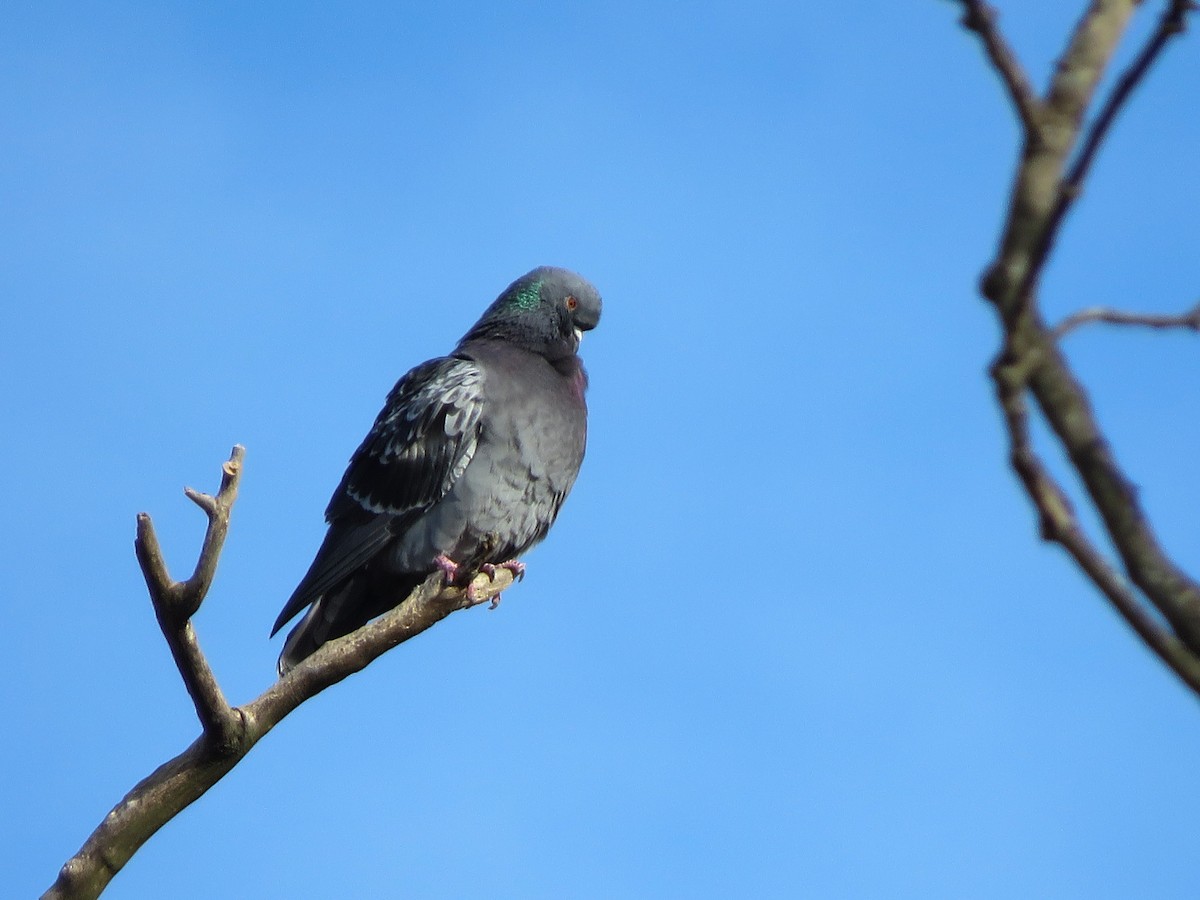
column 471, row 457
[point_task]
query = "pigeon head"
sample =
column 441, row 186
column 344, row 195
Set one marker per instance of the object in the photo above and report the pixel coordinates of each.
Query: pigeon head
column 545, row 311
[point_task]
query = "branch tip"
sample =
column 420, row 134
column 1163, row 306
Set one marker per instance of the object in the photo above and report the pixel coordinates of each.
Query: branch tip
column 232, row 467
column 150, row 560
column 206, row 502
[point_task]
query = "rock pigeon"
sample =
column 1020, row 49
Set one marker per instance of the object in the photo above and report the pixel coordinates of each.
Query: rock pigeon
column 466, row 466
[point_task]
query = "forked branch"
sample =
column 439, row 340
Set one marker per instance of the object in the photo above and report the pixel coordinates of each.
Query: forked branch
column 229, row 733
column 1057, row 153
column 175, row 602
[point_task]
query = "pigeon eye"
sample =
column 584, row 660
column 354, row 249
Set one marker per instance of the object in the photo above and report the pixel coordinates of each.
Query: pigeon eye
column 572, row 303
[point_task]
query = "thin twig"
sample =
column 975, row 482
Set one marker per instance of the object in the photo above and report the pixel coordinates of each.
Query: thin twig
column 217, row 509
column 980, row 18
column 1189, row 319
column 1172, row 22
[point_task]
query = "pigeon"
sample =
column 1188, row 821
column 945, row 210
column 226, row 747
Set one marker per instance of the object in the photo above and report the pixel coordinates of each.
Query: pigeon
column 465, row 468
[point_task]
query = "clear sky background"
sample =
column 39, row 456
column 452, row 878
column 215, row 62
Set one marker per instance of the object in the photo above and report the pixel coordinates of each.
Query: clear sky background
column 793, row 635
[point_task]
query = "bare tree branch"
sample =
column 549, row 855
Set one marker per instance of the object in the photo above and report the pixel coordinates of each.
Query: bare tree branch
column 1030, row 230
column 1059, row 525
column 230, row 733
column 1172, row 22
column 1067, row 409
column 1032, row 363
column 1189, row 319
column 980, row 18
column 176, row 602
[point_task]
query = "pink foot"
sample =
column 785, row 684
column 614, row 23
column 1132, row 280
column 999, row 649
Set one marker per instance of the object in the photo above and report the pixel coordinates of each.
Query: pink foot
column 473, row 596
column 517, row 569
column 448, row 566
column 514, row 566
column 450, row 569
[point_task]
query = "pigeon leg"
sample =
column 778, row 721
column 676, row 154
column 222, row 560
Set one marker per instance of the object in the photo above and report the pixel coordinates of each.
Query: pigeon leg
column 450, row 569
column 448, row 566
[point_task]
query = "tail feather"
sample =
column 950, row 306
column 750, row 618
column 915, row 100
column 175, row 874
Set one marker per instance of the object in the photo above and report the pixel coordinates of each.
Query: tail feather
column 353, row 604
column 331, row 615
column 301, row 641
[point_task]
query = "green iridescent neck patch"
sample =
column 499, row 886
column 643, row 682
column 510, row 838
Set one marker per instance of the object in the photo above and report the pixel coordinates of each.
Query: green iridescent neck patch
column 528, row 297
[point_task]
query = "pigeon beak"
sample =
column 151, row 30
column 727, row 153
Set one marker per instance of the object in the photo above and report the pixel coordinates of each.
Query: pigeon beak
column 578, row 336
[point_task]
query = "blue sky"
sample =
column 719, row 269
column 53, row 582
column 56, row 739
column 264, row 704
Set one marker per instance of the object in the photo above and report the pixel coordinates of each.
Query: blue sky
column 793, row 634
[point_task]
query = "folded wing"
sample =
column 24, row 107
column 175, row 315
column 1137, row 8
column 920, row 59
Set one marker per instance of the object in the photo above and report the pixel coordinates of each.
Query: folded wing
column 421, row 442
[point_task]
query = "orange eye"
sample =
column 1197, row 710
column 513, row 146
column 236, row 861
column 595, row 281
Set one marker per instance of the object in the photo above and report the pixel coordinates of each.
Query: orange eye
column 572, row 303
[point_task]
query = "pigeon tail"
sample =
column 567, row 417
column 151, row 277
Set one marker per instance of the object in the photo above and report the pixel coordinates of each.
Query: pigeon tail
column 301, row 641
column 351, row 605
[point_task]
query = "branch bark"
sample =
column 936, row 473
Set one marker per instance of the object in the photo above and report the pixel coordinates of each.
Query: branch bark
column 1060, row 525
column 229, row 733
column 1056, row 159
column 1049, row 139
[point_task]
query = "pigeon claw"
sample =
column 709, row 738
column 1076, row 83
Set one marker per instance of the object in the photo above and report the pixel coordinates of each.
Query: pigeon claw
column 518, row 572
column 448, row 566
column 474, row 594
column 515, row 566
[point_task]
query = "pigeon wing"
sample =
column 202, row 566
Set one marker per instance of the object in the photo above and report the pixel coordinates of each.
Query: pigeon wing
column 421, row 442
